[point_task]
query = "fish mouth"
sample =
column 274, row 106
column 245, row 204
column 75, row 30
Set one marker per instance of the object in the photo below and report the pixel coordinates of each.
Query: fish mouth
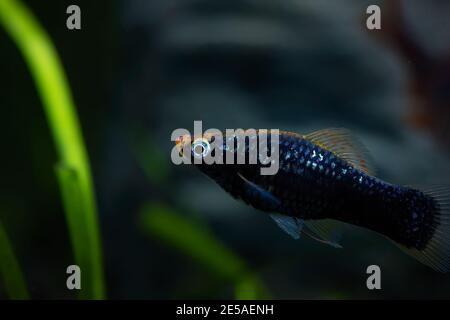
column 183, row 145
column 181, row 141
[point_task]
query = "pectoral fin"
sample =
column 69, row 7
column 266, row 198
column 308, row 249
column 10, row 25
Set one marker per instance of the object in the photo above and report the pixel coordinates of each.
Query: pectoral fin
column 261, row 198
column 266, row 201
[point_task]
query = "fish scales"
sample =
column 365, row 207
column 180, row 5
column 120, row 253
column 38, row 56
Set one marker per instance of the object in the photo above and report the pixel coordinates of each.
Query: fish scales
column 313, row 183
column 325, row 176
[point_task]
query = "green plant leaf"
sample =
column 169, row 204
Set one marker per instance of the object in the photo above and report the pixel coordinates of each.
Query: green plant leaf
column 197, row 241
column 10, row 271
column 151, row 159
column 54, row 91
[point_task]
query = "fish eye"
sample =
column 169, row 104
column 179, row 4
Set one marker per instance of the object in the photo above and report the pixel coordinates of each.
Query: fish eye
column 200, row 148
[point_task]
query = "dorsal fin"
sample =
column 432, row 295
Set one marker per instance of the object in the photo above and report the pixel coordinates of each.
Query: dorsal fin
column 344, row 145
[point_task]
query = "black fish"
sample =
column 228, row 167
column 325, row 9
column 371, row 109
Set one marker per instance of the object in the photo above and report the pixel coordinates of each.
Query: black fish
column 325, row 176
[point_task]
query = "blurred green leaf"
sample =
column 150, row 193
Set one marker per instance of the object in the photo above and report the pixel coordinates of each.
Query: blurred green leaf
column 53, row 88
column 196, row 240
column 250, row 288
column 151, row 159
column 10, row 271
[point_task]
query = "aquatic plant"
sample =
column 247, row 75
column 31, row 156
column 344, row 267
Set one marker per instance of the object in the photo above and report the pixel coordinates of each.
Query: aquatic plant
column 73, row 167
column 10, row 271
column 194, row 239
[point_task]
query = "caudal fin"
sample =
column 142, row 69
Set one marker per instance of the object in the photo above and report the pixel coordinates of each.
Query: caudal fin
column 430, row 209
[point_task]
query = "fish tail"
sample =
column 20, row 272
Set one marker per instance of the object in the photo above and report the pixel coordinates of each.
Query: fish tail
column 424, row 226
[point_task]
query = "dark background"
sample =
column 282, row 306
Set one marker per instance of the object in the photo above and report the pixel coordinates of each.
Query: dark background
column 140, row 69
